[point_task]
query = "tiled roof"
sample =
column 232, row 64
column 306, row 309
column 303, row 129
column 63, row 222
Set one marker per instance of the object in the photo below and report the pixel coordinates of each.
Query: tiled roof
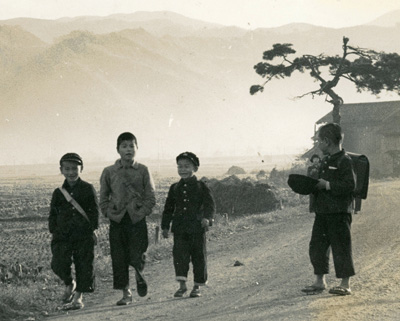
column 365, row 112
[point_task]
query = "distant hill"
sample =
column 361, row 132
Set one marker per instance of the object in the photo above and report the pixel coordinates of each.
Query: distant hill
column 17, row 47
column 158, row 23
column 390, row 19
column 178, row 83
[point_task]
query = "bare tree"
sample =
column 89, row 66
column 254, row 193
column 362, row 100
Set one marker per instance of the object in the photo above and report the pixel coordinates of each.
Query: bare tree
column 369, row 71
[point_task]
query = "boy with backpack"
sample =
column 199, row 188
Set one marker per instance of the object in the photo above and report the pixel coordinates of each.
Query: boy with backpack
column 333, row 208
column 190, row 207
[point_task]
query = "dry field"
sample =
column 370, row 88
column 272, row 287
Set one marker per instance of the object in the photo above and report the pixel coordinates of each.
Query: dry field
column 24, row 237
column 28, row 288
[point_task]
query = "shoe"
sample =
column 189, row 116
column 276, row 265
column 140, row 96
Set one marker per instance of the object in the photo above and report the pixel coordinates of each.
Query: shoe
column 340, row 290
column 69, row 292
column 195, row 293
column 126, row 299
column 141, row 285
column 180, row 293
column 75, row 305
column 312, row 289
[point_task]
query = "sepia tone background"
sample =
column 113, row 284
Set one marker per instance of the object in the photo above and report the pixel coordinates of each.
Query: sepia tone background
column 75, row 74
column 177, row 74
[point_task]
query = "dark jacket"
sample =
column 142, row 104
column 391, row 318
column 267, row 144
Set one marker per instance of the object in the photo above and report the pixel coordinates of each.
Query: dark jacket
column 65, row 222
column 337, row 169
column 187, row 203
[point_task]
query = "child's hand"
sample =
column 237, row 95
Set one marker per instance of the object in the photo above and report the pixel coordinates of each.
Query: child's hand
column 321, row 184
column 165, row 234
column 205, row 222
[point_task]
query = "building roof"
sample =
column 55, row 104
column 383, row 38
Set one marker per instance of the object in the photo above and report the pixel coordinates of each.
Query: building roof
column 384, row 114
column 365, row 113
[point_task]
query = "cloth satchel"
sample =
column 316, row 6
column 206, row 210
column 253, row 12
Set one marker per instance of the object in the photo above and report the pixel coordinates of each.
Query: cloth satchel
column 76, row 205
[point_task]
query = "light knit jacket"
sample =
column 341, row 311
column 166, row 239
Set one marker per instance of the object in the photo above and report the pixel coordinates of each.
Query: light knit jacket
column 125, row 190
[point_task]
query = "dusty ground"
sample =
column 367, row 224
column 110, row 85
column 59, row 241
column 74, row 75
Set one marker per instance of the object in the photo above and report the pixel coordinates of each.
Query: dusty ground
column 276, row 267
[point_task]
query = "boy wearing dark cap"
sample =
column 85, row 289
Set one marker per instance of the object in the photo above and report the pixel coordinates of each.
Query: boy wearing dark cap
column 74, row 214
column 126, row 197
column 190, row 207
column 333, row 208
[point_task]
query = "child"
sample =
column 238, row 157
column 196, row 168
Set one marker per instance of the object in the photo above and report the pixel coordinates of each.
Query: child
column 312, row 171
column 333, row 207
column 126, row 198
column 190, row 206
column 73, row 233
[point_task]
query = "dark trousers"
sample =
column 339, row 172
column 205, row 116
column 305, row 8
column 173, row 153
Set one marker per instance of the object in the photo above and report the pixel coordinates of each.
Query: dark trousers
column 357, row 204
column 332, row 231
column 128, row 244
column 190, row 247
column 81, row 252
column 311, row 203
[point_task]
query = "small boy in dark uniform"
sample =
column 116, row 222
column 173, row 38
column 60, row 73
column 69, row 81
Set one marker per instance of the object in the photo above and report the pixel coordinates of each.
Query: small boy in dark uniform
column 190, row 206
column 312, row 171
column 73, row 233
column 126, row 197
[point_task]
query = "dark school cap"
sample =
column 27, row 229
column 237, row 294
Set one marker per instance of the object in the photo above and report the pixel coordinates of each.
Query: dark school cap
column 302, row 184
column 71, row 157
column 190, row 156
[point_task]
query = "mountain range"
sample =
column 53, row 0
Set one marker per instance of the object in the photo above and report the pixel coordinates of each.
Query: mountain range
column 177, row 83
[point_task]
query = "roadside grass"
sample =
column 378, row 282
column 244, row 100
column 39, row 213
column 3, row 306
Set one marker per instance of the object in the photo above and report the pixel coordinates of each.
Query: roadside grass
column 29, row 300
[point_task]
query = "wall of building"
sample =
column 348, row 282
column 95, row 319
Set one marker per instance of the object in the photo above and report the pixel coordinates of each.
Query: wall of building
column 368, row 141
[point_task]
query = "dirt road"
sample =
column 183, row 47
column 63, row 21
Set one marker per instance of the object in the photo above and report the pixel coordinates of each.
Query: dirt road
column 276, row 266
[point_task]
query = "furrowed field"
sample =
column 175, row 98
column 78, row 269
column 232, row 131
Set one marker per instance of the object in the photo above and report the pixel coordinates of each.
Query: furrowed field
column 24, row 236
column 28, row 287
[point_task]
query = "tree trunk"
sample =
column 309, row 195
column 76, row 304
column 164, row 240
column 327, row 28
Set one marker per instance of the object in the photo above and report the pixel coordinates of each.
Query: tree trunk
column 337, row 102
column 336, row 112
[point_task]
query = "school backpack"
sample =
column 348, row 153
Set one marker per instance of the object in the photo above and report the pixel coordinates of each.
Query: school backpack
column 361, row 170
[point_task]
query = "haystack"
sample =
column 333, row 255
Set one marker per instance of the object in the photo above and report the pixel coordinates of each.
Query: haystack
column 237, row 197
column 236, row 170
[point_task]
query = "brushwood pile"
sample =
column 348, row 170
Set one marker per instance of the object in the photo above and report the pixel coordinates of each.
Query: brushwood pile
column 237, row 196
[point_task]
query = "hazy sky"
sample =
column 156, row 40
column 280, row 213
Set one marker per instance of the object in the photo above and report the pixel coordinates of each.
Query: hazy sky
column 243, row 13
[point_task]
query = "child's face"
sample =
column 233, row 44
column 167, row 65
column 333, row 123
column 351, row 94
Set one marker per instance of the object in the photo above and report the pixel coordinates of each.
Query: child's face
column 70, row 170
column 323, row 145
column 127, row 150
column 186, row 168
column 315, row 160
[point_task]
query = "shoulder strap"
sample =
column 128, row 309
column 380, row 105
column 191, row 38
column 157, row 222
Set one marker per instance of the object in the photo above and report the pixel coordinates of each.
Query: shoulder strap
column 74, row 203
column 201, row 185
